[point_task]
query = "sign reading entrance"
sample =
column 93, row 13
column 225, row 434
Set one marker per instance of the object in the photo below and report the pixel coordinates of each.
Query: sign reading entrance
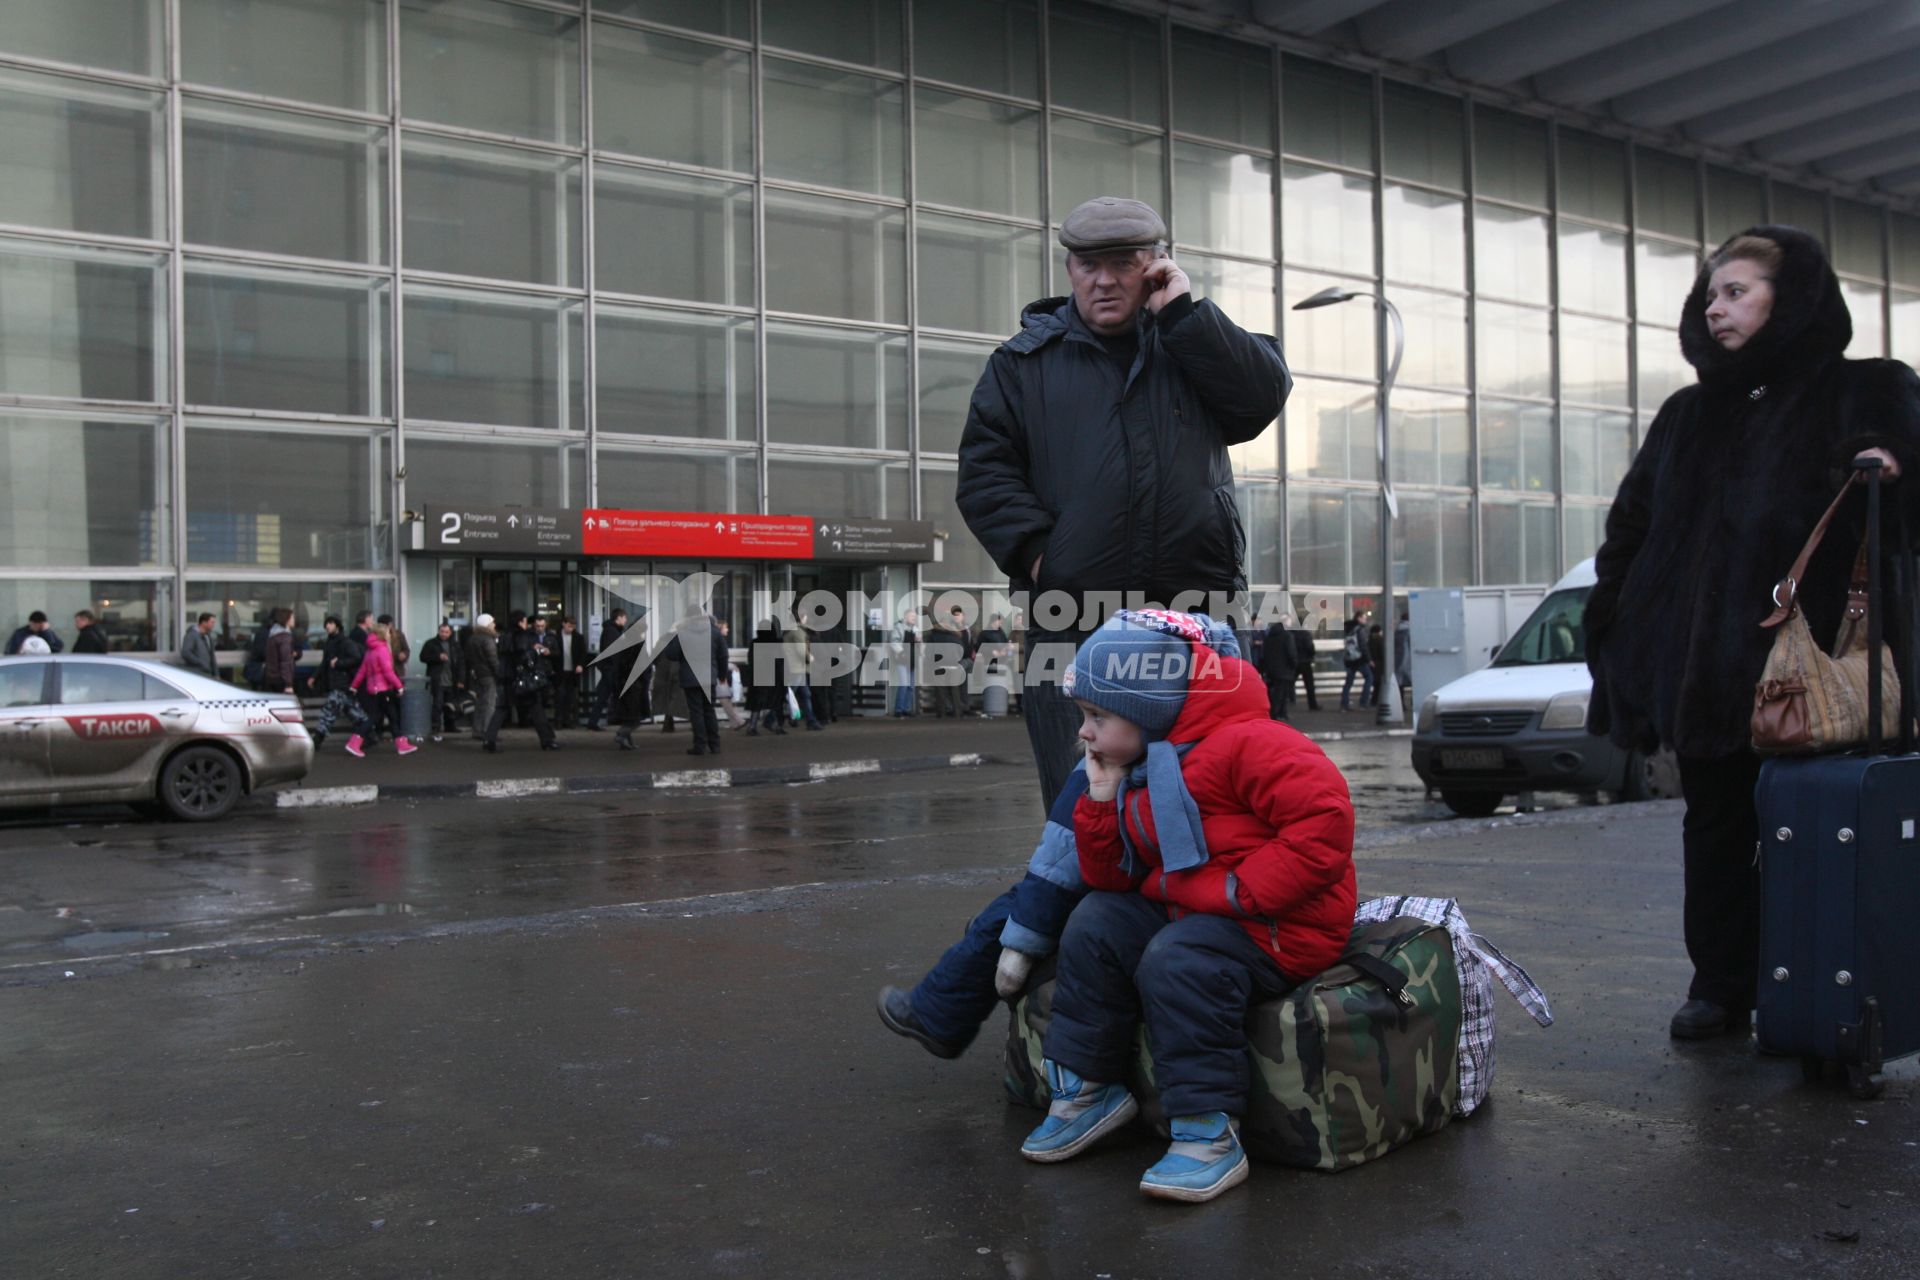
column 540, row 530
column 698, row 535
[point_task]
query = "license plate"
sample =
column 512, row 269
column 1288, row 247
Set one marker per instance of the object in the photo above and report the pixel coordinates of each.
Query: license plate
column 1471, row 758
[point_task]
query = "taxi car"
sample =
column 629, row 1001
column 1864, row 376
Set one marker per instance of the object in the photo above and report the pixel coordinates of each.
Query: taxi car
column 93, row 728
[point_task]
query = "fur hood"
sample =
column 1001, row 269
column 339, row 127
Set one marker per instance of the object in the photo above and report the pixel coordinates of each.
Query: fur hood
column 1810, row 323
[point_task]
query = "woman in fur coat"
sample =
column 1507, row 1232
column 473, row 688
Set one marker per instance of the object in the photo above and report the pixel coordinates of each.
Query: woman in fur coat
column 1733, row 475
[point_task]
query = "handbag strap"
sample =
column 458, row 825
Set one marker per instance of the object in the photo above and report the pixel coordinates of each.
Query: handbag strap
column 1787, row 590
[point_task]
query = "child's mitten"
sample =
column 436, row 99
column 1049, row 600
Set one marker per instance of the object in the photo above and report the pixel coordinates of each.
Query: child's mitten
column 1010, row 975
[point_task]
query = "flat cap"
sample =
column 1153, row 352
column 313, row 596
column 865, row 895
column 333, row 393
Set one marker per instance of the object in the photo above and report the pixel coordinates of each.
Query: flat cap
column 1112, row 222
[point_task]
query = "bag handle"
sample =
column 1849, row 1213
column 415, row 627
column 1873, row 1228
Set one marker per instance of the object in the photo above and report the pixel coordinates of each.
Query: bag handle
column 1789, row 586
column 1380, row 971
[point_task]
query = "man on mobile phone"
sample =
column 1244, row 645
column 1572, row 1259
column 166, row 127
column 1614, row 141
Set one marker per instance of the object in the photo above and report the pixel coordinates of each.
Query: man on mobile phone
column 1095, row 452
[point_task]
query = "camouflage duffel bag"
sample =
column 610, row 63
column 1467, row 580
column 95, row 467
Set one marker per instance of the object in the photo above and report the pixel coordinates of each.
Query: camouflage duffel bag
column 1345, row 1067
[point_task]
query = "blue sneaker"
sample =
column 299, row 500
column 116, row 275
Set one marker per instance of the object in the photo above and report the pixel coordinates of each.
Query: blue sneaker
column 1081, row 1114
column 1205, row 1159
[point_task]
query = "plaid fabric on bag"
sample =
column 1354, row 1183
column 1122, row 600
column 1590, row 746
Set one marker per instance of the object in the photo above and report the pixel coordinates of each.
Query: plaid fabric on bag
column 1479, row 963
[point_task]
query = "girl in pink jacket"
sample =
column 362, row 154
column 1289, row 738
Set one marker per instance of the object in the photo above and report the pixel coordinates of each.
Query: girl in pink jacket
column 379, row 688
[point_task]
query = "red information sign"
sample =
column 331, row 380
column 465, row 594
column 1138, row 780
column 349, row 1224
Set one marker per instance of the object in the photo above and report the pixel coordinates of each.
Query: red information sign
column 695, row 534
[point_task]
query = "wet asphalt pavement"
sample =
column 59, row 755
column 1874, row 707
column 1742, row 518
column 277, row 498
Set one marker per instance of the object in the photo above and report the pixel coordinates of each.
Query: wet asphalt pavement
column 633, row 1036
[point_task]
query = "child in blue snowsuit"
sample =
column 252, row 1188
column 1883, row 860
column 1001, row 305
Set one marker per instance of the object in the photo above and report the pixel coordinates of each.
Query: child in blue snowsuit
column 997, row 953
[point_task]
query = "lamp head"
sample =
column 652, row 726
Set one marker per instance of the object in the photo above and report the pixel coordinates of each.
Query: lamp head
column 1326, row 298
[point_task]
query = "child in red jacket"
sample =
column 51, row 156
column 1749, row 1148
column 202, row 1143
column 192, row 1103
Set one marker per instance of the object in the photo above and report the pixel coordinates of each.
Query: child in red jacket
column 1219, row 845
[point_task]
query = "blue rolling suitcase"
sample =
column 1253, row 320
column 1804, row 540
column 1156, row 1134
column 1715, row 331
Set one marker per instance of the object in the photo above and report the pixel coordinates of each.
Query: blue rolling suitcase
column 1840, row 887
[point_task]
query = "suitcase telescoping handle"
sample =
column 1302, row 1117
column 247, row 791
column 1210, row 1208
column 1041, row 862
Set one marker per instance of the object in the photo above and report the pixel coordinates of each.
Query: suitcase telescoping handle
column 1874, row 624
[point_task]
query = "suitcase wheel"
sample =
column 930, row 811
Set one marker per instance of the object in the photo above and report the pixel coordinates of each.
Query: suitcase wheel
column 1864, row 1084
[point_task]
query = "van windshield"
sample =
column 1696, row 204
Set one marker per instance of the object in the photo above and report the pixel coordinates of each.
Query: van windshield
column 1551, row 633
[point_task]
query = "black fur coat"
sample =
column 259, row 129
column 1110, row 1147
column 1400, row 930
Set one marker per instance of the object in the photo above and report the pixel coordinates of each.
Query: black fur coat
column 1730, row 480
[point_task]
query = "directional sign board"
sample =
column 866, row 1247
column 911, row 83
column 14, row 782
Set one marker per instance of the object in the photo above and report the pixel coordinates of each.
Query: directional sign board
column 872, row 540
column 539, row 530
column 696, row 534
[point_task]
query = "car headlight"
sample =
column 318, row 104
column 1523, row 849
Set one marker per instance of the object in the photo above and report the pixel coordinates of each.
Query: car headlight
column 1429, row 714
column 1566, row 711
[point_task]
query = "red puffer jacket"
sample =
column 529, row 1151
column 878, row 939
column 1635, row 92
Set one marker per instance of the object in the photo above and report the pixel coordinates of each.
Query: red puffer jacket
column 1277, row 818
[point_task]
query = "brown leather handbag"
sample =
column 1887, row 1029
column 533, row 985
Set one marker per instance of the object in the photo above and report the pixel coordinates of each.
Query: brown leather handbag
column 1807, row 701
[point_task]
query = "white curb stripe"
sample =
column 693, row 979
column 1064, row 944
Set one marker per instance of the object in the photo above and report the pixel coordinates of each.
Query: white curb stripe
column 316, row 797
column 841, row 769
column 513, row 788
column 694, row 778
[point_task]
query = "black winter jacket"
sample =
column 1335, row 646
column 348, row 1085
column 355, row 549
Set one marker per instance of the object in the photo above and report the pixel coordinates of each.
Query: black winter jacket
column 1122, row 480
column 340, row 657
column 1731, row 479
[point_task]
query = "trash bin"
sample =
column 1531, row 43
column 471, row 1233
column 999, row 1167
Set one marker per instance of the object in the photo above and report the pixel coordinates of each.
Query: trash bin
column 993, row 699
column 416, row 708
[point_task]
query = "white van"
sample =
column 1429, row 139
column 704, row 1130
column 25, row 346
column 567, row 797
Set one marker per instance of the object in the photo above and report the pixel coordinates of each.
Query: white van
column 1519, row 724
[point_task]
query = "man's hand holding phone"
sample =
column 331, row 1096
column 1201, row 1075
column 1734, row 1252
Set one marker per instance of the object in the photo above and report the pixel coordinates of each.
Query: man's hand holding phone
column 1167, row 280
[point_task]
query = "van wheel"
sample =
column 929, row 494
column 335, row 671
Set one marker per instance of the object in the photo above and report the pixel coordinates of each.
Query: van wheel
column 1654, row 776
column 1471, row 804
column 199, row 784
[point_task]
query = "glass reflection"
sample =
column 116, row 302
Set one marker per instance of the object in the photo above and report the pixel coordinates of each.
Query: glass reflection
column 1593, row 360
column 1510, row 256
column 1593, row 269
column 1104, row 160
column 1514, row 349
column 1327, row 218
column 1223, row 199
column 1330, row 430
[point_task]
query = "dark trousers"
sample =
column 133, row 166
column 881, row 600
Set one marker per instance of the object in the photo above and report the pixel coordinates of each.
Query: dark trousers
column 1053, row 720
column 1313, row 694
column 701, row 718
column 1722, row 910
column 443, row 717
column 566, row 697
column 957, row 995
column 1277, row 697
column 527, row 705
column 1191, row 979
column 381, row 711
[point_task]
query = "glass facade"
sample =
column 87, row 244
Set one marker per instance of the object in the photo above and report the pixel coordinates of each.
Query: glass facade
column 270, row 287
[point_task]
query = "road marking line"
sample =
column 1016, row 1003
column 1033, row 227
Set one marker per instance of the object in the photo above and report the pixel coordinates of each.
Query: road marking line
column 69, row 961
column 315, row 797
column 513, row 788
column 965, row 757
column 694, row 778
column 841, row 769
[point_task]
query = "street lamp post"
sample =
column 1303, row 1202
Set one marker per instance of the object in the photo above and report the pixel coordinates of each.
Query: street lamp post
column 1387, row 702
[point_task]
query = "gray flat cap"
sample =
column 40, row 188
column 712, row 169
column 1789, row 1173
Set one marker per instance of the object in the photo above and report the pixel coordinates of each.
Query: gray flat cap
column 1110, row 222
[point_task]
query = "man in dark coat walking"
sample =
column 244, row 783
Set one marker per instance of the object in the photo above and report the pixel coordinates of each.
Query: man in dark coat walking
column 1276, row 668
column 1094, row 457
column 1303, row 653
column 1734, row 473
column 699, row 652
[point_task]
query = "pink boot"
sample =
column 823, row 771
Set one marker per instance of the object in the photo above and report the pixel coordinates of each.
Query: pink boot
column 404, row 747
column 354, row 747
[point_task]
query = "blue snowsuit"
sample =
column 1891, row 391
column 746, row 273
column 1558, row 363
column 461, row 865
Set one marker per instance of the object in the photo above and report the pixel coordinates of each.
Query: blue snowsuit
column 957, row 994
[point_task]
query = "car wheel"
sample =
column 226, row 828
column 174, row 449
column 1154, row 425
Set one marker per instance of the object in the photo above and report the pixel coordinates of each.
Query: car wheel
column 1471, row 804
column 200, row 783
column 1654, row 776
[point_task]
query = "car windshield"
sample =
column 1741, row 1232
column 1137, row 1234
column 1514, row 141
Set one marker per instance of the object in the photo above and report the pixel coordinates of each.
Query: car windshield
column 1551, row 633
